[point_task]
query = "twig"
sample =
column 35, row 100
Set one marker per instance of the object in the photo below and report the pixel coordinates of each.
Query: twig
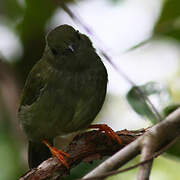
column 162, row 134
column 146, row 152
column 86, row 147
column 155, row 155
column 94, row 144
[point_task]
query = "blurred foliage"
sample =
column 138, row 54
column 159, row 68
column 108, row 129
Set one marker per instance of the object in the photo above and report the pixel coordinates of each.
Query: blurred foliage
column 29, row 19
column 167, row 25
column 141, row 106
column 175, row 87
column 10, row 146
column 31, row 32
column 169, row 20
column 10, row 9
column 82, row 169
column 115, row 1
column 169, row 109
column 175, row 149
column 10, row 150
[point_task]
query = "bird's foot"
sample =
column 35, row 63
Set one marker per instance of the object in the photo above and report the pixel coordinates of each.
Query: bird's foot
column 58, row 153
column 108, row 131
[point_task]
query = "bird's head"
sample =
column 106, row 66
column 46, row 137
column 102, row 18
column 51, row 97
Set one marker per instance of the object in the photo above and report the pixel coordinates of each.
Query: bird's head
column 64, row 40
column 66, row 47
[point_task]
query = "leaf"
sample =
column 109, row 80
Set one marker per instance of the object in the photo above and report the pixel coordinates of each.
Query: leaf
column 170, row 108
column 169, row 20
column 140, row 105
column 168, row 23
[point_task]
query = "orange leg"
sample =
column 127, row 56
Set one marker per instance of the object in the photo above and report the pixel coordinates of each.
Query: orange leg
column 57, row 153
column 108, row 131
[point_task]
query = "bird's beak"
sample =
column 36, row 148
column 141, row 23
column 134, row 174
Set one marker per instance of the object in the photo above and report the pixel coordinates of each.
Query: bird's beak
column 71, row 48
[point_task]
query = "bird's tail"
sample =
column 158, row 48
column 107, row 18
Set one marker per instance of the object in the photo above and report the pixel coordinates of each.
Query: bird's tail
column 37, row 153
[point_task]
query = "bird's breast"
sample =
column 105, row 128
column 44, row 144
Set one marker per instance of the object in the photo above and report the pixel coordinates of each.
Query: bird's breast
column 68, row 103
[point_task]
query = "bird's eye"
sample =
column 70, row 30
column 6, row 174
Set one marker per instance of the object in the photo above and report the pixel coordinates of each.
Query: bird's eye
column 78, row 35
column 68, row 50
column 70, row 47
column 54, row 51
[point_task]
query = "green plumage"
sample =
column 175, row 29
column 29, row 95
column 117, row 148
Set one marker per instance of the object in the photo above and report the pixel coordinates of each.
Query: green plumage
column 65, row 89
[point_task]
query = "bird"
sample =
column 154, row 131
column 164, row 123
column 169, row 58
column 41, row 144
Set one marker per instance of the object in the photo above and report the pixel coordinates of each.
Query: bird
column 63, row 93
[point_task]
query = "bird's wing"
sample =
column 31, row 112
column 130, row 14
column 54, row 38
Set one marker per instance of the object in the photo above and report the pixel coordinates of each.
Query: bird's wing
column 35, row 82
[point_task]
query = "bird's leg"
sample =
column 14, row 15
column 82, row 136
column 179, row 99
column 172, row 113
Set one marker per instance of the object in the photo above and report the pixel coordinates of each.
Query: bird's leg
column 57, row 153
column 108, row 131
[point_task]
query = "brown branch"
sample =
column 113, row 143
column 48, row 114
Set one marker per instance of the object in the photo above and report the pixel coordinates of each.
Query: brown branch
column 155, row 155
column 160, row 135
column 147, row 151
column 86, row 147
column 93, row 145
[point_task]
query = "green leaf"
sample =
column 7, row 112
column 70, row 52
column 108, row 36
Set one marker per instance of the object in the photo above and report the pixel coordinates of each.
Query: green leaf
column 152, row 89
column 11, row 9
column 169, row 20
column 170, row 108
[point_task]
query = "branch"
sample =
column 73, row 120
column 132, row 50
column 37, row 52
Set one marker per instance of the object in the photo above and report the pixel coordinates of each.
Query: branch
column 86, row 147
column 155, row 155
column 94, row 145
column 146, row 152
column 160, row 135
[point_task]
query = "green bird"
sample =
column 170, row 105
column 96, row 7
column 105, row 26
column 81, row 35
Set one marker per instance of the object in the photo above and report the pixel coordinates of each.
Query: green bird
column 63, row 93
